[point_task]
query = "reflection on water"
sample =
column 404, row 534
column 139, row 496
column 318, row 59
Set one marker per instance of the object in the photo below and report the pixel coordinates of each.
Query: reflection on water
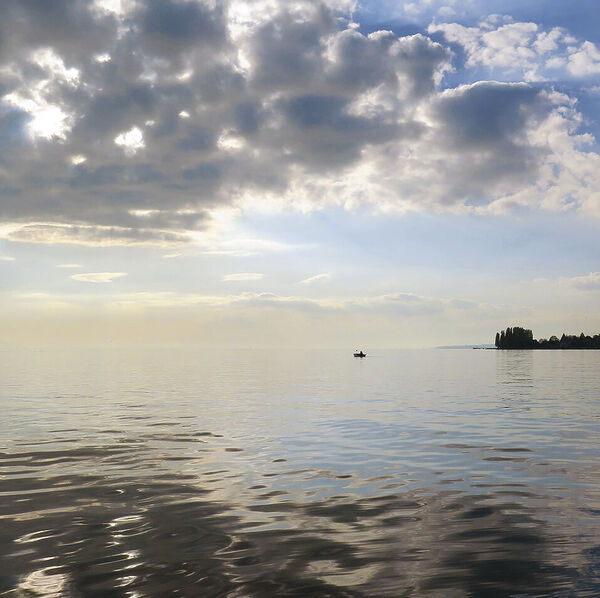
column 440, row 474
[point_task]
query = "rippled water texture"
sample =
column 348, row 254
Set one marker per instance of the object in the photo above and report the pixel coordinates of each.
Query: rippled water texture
column 437, row 474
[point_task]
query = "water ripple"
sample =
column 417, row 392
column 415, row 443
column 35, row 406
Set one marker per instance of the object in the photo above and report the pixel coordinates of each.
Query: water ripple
column 422, row 476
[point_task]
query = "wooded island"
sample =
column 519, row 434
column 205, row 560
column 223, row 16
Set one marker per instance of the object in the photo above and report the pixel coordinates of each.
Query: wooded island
column 522, row 338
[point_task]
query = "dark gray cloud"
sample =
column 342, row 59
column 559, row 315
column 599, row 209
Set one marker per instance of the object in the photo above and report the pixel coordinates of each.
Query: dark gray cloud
column 196, row 138
column 149, row 119
column 487, row 114
column 205, row 171
column 100, row 236
column 110, row 112
column 360, row 62
column 12, row 127
column 287, row 53
column 180, row 23
column 72, row 27
column 485, row 124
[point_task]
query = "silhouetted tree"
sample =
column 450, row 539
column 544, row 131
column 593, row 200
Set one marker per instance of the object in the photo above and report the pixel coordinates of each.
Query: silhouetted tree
column 516, row 337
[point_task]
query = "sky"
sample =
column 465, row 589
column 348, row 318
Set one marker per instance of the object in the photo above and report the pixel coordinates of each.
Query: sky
column 278, row 173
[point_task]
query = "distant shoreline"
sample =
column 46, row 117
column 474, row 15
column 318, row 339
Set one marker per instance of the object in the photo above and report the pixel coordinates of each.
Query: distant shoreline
column 522, row 338
column 472, row 346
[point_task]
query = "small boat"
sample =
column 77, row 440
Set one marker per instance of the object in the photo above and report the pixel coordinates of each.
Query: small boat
column 361, row 354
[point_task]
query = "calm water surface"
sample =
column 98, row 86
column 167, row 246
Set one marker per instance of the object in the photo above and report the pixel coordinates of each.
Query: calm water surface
column 436, row 474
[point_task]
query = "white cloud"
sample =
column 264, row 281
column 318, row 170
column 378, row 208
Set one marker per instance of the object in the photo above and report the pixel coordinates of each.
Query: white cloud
column 316, row 278
column 45, row 120
column 34, row 295
column 131, row 141
column 48, row 60
column 48, row 118
column 590, row 282
column 585, row 60
column 98, row 277
column 522, row 49
column 113, row 6
column 69, row 266
column 243, row 276
column 242, row 247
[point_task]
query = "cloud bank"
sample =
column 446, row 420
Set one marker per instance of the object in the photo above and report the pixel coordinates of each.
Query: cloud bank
column 243, row 277
column 97, row 277
column 590, row 282
column 393, row 304
column 316, row 278
column 133, row 125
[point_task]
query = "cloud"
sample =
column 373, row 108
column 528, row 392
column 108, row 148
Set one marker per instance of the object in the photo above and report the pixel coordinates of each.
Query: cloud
column 97, row 277
column 135, row 126
column 69, row 266
column 242, row 300
column 243, row 276
column 242, row 247
column 401, row 305
column 590, row 282
column 584, row 60
column 131, row 141
column 522, row 49
column 6, row 258
column 316, row 278
column 397, row 305
column 99, row 236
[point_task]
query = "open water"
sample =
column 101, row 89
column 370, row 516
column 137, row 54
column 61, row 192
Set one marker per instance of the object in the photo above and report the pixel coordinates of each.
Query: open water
column 435, row 474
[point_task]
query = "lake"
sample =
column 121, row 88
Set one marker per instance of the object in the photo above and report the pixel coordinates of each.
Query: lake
column 178, row 472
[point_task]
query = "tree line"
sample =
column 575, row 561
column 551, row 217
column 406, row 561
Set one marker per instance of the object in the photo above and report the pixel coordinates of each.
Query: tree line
column 522, row 338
